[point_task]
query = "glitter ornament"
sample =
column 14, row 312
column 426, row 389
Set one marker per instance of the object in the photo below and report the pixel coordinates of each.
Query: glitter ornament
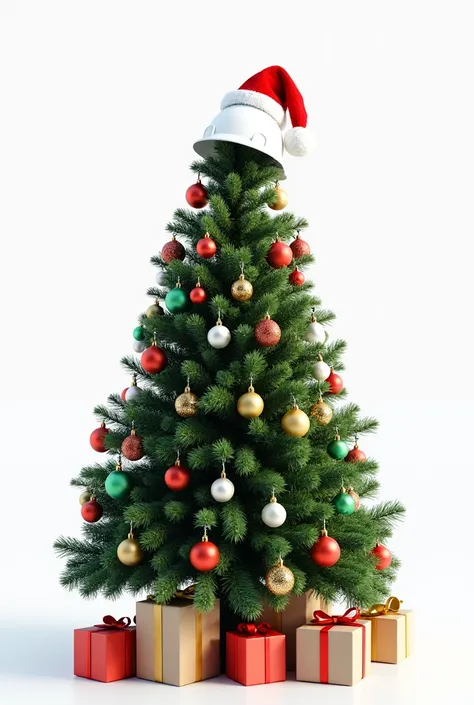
column 279, row 579
column 321, row 412
column 173, row 250
column 242, row 289
column 300, row 247
column 267, row 332
column 186, row 404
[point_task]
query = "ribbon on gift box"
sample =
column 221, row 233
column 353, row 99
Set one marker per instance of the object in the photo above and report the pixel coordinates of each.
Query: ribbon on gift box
column 109, row 622
column 262, row 628
column 327, row 622
column 391, row 606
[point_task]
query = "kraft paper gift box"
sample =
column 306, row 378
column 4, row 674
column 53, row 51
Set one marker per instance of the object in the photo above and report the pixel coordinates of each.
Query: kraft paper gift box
column 299, row 611
column 392, row 631
column 175, row 643
column 255, row 655
column 334, row 649
column 105, row 652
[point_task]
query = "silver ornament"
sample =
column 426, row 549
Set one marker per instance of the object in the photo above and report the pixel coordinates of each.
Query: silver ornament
column 219, row 336
column 273, row 514
column 139, row 346
column 133, row 392
column 222, row 489
column 315, row 333
column 321, row 370
column 160, row 277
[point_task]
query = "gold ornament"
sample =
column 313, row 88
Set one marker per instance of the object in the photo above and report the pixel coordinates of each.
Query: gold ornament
column 242, row 289
column 295, row 422
column 186, row 404
column 279, row 579
column 355, row 497
column 281, row 200
column 129, row 551
column 250, row 405
column 154, row 310
column 85, row 497
column 322, row 412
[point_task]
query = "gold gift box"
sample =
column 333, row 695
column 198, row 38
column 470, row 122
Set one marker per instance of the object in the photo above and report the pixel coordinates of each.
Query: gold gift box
column 392, row 636
column 175, row 643
column 299, row 611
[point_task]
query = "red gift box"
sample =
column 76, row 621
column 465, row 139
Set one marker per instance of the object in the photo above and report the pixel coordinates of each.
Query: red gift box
column 105, row 652
column 255, row 655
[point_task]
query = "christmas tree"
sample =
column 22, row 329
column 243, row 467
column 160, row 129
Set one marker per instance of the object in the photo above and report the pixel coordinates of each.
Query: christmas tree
column 229, row 456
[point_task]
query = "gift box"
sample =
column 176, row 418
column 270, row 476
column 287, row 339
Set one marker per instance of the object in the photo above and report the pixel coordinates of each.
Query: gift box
column 392, row 631
column 105, row 652
column 334, row 649
column 299, row 611
column 175, row 643
column 255, row 655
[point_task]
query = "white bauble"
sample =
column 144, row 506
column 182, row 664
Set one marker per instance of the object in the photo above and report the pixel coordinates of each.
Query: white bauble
column 139, row 346
column 219, row 336
column 222, row 489
column 133, row 392
column 274, row 514
column 315, row 333
column 321, row 370
column 160, row 277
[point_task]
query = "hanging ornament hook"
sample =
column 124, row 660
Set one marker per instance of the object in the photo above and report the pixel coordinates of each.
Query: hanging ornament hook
column 219, row 320
column 295, row 401
column 242, row 266
column 205, row 537
column 177, row 462
column 223, row 475
column 130, row 533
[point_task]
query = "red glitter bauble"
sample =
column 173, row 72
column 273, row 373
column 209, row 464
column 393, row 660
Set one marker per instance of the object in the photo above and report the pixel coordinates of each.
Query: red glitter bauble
column 97, row 438
column 206, row 247
column 356, row 455
column 300, row 247
column 91, row 511
column 204, row 556
column 384, row 556
column 177, row 477
column 279, row 255
column 132, row 447
column 296, row 277
column 173, row 250
column 123, row 393
column 153, row 360
column 335, row 383
column 326, row 551
column 197, row 195
column 198, row 295
column 267, row 332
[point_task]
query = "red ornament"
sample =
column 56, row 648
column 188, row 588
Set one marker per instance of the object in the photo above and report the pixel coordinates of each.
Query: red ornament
column 197, row 195
column 267, row 332
column 153, row 359
column 206, row 247
column 123, row 393
column 177, row 477
column 296, row 277
column 356, row 455
column 300, row 247
column 132, row 447
column 335, row 383
column 173, row 250
column 198, row 294
column 97, row 438
column 383, row 554
column 91, row 511
column 204, row 556
column 279, row 255
column 326, row 551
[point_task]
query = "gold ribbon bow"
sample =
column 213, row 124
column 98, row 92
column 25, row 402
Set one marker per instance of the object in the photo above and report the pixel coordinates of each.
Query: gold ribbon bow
column 186, row 594
column 391, row 605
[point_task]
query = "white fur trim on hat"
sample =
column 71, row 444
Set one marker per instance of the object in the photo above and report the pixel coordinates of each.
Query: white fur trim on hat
column 299, row 141
column 255, row 100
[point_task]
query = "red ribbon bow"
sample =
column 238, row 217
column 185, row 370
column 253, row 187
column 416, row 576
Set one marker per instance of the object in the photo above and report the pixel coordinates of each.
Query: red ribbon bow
column 349, row 617
column 109, row 622
column 262, row 628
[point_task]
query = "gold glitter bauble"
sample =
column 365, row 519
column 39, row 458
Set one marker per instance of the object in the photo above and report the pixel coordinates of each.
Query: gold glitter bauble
column 322, row 412
column 295, row 423
column 154, row 310
column 242, row 289
column 279, row 579
column 85, row 497
column 129, row 551
column 355, row 497
column 186, row 404
column 250, row 405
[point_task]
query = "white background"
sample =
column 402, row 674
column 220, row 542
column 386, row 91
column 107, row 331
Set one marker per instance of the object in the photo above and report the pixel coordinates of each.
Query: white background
column 100, row 102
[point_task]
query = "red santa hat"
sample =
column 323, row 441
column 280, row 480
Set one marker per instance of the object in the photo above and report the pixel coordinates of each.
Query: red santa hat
column 274, row 91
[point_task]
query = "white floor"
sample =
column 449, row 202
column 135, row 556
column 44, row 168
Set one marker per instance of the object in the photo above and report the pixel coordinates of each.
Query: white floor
column 36, row 666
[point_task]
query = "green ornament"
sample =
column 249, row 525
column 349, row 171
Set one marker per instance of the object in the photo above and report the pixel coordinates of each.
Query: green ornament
column 139, row 333
column 344, row 503
column 176, row 300
column 338, row 449
column 118, row 484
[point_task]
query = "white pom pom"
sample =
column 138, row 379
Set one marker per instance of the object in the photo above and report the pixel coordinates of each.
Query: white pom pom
column 299, row 141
